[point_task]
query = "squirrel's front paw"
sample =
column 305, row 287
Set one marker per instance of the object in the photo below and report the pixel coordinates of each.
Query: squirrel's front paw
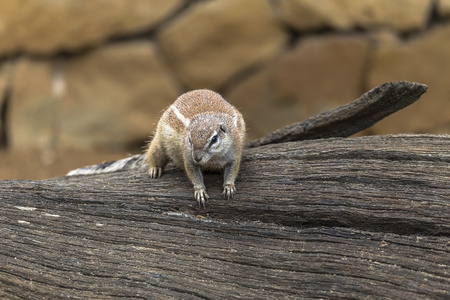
column 201, row 196
column 228, row 191
column 154, row 172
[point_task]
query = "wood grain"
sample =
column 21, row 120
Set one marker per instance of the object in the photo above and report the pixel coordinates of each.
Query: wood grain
column 329, row 218
column 351, row 118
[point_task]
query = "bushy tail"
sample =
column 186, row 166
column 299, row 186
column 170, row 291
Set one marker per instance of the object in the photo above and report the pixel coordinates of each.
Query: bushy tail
column 132, row 162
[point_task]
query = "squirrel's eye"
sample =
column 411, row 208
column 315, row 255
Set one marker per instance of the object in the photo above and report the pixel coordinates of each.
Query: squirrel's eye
column 214, row 139
column 189, row 141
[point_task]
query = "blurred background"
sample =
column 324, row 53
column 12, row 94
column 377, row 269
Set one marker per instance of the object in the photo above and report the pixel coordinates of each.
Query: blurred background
column 84, row 81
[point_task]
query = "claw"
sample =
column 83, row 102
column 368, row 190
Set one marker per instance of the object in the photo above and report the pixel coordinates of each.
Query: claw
column 154, row 172
column 201, row 196
column 228, row 191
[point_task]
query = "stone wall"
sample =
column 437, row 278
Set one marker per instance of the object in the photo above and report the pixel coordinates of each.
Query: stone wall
column 97, row 73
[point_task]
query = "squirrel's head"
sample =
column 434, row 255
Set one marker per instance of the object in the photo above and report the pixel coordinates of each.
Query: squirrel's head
column 208, row 136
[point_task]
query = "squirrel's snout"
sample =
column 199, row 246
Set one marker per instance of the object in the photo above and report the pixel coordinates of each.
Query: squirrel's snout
column 197, row 156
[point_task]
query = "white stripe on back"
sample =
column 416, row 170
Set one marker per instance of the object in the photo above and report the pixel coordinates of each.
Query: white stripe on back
column 235, row 118
column 179, row 115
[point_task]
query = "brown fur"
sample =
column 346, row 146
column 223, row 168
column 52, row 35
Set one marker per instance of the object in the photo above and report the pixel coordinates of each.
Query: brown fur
column 185, row 136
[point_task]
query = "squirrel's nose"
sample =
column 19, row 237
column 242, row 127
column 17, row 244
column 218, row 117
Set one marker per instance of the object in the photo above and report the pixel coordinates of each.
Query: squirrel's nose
column 197, row 156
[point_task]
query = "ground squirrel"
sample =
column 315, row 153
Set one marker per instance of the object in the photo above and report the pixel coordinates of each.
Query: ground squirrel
column 199, row 131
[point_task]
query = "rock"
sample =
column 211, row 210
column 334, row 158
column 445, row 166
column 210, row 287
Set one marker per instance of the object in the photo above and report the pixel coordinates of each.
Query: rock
column 111, row 97
column 443, row 8
column 215, row 40
column 33, row 111
column 5, row 88
column 426, row 60
column 5, row 81
column 402, row 15
column 47, row 26
column 119, row 91
column 319, row 74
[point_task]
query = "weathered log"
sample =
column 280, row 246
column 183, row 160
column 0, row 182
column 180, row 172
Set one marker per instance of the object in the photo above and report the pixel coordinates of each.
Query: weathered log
column 351, row 118
column 353, row 218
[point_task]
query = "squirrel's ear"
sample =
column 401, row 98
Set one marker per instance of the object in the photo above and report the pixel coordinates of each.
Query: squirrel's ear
column 223, row 128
